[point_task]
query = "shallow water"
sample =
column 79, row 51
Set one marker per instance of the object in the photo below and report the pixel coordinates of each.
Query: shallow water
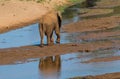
column 61, row 67
column 24, row 36
column 71, row 15
column 20, row 37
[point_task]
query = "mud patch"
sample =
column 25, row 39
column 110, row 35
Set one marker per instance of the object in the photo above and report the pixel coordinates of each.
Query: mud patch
column 93, row 24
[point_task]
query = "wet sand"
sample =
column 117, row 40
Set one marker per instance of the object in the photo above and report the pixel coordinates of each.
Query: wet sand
column 107, row 59
column 107, row 3
column 104, row 76
column 93, row 24
column 12, row 55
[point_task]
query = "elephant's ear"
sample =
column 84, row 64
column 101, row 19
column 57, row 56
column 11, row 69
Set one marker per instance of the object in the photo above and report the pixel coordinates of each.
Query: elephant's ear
column 59, row 17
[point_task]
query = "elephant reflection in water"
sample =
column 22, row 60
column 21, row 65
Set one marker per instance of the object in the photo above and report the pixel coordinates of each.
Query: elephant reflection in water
column 50, row 67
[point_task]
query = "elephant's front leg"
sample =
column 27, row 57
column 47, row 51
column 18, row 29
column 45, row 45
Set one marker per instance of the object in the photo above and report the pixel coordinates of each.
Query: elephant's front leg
column 48, row 40
column 41, row 34
column 51, row 38
column 42, row 40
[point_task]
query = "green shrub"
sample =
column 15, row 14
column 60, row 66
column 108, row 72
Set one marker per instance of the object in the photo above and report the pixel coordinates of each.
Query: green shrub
column 76, row 1
column 39, row 1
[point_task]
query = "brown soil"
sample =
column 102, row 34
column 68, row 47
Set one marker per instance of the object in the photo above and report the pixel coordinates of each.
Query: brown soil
column 105, row 76
column 12, row 55
column 93, row 24
column 103, row 59
column 108, row 3
column 94, row 11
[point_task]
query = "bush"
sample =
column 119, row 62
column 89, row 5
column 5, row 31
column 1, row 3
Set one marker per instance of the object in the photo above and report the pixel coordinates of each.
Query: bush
column 39, row 1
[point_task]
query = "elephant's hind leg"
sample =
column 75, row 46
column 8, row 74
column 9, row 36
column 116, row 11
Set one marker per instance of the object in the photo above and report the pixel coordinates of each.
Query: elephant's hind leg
column 58, row 38
column 49, row 36
column 57, row 31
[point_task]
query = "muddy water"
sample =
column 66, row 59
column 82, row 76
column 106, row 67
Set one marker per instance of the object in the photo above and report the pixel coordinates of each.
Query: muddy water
column 61, row 66
column 71, row 15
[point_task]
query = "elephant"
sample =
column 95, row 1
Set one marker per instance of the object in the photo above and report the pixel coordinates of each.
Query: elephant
column 50, row 66
column 49, row 23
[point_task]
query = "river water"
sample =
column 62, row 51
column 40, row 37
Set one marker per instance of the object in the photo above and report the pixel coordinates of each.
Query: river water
column 24, row 36
column 61, row 67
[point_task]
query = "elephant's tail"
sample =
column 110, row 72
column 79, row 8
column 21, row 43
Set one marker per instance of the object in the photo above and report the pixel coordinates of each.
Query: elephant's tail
column 59, row 17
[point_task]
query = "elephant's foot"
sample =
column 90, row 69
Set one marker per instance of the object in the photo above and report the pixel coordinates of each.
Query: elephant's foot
column 41, row 45
column 50, row 44
column 58, row 41
column 52, row 40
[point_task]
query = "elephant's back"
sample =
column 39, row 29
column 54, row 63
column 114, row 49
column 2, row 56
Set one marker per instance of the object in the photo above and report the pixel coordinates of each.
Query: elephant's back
column 50, row 17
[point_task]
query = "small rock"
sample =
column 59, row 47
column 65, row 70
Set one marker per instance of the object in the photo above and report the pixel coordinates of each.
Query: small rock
column 13, row 14
column 80, row 50
column 87, row 50
column 74, row 45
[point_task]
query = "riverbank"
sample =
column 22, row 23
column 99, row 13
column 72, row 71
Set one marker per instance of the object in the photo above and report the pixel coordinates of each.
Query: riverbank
column 95, row 24
column 104, row 76
column 12, row 55
column 19, row 13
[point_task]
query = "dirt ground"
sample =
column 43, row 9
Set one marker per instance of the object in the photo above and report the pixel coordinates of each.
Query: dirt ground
column 19, row 13
column 105, row 76
column 93, row 25
column 13, row 55
column 107, row 3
